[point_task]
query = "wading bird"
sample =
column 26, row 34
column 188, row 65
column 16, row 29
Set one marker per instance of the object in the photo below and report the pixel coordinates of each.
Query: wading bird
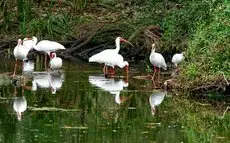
column 177, row 58
column 157, row 60
column 113, row 60
column 105, row 54
column 48, row 47
column 55, row 62
column 20, row 53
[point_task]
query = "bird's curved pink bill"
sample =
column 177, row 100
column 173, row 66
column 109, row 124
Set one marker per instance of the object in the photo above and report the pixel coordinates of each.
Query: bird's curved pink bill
column 123, row 40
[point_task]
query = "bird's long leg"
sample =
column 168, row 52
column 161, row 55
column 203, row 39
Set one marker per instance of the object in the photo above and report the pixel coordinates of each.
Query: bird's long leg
column 126, row 79
column 154, row 73
column 177, row 70
column 158, row 75
column 104, row 69
column 15, row 67
column 154, row 85
column 153, row 110
column 127, row 70
column 113, row 71
column 45, row 61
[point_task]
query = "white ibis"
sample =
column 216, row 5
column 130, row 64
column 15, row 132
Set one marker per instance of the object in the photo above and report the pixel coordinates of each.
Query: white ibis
column 112, row 86
column 20, row 105
column 157, row 60
column 115, row 60
column 55, row 62
column 177, row 58
column 20, row 53
column 30, row 42
column 103, row 55
column 48, row 47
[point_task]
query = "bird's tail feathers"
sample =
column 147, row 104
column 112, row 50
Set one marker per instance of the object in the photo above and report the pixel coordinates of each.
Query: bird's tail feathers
column 62, row 47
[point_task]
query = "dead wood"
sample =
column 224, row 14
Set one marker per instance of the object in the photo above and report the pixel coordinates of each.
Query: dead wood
column 88, row 39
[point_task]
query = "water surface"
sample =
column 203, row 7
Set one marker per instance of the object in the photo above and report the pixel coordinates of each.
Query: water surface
column 79, row 104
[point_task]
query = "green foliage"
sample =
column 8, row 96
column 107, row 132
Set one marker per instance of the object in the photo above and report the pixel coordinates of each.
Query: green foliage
column 209, row 48
column 52, row 26
column 148, row 69
column 78, row 5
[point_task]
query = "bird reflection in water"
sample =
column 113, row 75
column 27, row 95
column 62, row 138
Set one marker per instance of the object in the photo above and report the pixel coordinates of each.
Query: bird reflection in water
column 19, row 103
column 157, row 97
column 111, row 85
column 52, row 80
column 28, row 67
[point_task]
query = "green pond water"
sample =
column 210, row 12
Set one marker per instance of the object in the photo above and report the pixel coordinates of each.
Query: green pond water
column 79, row 105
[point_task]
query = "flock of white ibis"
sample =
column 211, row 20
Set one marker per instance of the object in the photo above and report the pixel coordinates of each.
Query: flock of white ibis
column 48, row 47
column 108, row 57
column 112, row 58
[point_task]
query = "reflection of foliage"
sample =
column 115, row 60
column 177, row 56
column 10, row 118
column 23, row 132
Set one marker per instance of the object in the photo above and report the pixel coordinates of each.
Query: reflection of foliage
column 4, row 80
column 92, row 115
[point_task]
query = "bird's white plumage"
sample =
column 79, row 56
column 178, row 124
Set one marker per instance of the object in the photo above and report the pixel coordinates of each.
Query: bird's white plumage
column 100, row 57
column 113, row 59
column 157, row 59
column 20, row 51
column 55, row 62
column 48, row 46
column 19, row 105
column 177, row 58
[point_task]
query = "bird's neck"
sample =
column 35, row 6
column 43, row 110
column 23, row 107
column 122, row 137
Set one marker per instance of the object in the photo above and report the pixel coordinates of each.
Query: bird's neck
column 117, row 46
column 19, row 44
column 34, row 85
column 35, row 40
column 121, row 64
column 152, row 54
column 117, row 98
